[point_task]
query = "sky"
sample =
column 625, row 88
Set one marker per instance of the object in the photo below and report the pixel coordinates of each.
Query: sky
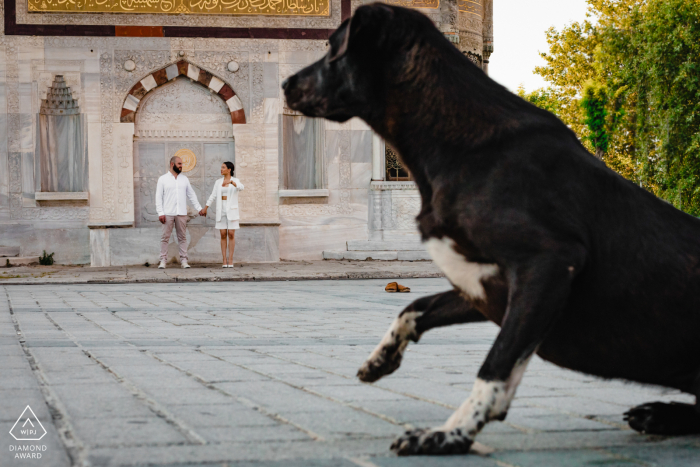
column 519, row 35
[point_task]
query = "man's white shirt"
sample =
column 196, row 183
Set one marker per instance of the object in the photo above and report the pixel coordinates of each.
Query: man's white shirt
column 172, row 194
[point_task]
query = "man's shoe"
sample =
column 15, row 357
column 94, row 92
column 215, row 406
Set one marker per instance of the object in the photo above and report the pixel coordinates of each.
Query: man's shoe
column 161, row 265
column 185, row 265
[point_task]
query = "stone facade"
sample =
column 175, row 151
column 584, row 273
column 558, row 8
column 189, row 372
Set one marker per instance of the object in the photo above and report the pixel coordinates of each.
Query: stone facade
column 145, row 97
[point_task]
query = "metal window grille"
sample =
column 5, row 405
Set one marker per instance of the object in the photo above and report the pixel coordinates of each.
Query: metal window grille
column 395, row 171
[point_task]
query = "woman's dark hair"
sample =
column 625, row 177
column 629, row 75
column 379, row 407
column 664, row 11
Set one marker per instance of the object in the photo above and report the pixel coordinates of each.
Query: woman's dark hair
column 230, row 166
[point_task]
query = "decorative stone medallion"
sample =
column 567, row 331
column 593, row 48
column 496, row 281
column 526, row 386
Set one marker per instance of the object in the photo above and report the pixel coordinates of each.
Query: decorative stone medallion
column 189, row 160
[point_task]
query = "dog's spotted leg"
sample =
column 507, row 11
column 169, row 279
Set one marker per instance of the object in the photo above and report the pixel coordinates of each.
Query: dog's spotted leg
column 489, row 400
column 425, row 313
column 537, row 292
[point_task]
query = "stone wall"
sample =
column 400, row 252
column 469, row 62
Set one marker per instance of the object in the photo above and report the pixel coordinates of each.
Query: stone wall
column 103, row 71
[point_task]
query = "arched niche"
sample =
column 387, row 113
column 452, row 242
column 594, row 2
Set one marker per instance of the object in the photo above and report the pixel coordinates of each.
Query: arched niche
column 184, row 118
column 168, row 73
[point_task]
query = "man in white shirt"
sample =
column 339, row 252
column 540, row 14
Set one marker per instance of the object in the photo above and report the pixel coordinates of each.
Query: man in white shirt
column 172, row 193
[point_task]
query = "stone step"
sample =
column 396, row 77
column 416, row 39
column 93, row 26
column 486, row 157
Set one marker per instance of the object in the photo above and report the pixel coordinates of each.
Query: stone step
column 9, row 251
column 407, row 255
column 397, row 245
column 19, row 260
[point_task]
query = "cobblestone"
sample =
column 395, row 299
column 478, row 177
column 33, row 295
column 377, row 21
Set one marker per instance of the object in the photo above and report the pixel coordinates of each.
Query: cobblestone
column 262, row 374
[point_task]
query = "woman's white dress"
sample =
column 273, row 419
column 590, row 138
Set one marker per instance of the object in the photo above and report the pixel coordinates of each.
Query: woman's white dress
column 227, row 217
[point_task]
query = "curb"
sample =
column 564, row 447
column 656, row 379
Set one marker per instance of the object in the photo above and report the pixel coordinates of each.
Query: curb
column 174, row 280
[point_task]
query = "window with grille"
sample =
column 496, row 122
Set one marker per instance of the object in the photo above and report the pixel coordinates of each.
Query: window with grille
column 395, row 171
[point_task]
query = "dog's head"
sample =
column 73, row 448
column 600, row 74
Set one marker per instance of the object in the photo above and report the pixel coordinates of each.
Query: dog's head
column 349, row 80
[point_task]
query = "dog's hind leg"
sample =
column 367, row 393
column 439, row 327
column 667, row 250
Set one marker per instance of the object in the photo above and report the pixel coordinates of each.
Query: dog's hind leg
column 537, row 293
column 443, row 309
column 660, row 418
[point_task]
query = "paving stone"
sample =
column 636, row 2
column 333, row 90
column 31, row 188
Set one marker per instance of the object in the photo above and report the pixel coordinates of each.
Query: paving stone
column 573, row 458
column 269, row 380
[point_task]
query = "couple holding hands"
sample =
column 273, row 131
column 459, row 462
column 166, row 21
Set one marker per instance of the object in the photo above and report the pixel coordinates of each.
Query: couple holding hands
column 172, row 193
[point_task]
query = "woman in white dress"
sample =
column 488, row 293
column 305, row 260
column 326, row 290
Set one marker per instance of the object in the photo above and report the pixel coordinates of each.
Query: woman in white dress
column 225, row 193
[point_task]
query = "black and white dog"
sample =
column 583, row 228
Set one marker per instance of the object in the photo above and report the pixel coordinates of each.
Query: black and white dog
column 572, row 261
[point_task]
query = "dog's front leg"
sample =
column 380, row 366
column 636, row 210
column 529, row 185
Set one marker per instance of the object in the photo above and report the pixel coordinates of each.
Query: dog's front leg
column 537, row 292
column 442, row 309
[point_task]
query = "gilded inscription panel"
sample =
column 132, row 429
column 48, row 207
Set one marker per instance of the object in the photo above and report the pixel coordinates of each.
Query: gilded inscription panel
column 415, row 3
column 471, row 6
column 196, row 7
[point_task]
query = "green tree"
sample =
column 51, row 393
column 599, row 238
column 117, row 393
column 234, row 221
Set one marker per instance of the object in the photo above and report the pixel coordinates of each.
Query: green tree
column 642, row 115
column 594, row 103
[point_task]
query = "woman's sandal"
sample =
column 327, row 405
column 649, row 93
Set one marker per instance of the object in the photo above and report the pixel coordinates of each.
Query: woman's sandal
column 393, row 287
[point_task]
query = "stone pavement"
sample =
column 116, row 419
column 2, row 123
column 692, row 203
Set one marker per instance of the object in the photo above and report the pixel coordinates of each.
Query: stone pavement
column 277, row 271
column 250, row 374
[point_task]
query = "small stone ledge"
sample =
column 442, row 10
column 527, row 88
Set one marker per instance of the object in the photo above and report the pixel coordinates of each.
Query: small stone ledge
column 61, row 198
column 259, row 223
column 304, row 193
column 384, row 185
column 110, row 225
column 20, row 261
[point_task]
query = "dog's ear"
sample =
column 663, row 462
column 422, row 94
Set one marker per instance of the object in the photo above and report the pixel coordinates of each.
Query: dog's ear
column 365, row 16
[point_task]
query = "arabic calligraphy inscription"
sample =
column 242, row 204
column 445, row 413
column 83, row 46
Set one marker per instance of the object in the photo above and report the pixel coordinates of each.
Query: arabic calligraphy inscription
column 196, row 7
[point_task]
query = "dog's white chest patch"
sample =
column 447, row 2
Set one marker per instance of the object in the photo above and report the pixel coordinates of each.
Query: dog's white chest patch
column 463, row 274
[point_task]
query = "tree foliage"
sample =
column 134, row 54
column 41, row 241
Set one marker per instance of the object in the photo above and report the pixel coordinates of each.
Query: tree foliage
column 627, row 81
column 593, row 103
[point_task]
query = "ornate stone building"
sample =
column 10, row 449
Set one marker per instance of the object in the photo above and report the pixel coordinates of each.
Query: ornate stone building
column 100, row 109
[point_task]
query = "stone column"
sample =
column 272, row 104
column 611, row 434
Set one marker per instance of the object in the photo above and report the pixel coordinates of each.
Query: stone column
column 375, row 197
column 377, row 169
column 470, row 24
column 487, row 34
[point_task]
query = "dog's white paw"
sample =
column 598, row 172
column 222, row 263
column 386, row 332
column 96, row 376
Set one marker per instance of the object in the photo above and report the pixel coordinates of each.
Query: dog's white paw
column 386, row 358
column 432, row 442
column 383, row 363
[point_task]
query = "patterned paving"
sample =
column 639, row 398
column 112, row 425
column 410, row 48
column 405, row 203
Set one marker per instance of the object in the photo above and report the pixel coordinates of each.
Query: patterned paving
column 262, row 374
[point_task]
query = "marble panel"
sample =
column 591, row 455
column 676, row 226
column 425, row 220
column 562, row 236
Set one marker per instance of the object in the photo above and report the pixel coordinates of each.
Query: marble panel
column 99, row 248
column 271, row 109
column 234, row 104
column 70, row 241
column 308, row 242
column 360, row 198
column 357, row 124
column 331, row 164
column 73, row 53
column 216, row 154
column 148, row 83
column 361, row 146
column 211, row 212
column 90, row 103
column 201, row 192
column 302, row 57
column 123, row 159
column 26, row 131
column 28, row 185
column 337, row 126
column 271, row 164
column 271, row 80
column 138, row 245
column 4, row 173
column 145, row 202
column 172, row 72
column 150, row 160
column 361, row 174
column 94, row 144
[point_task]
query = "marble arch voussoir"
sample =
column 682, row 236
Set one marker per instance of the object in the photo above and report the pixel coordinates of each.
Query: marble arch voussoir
column 172, row 71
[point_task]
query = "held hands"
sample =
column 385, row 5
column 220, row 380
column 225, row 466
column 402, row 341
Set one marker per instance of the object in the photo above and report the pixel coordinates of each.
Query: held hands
column 203, row 212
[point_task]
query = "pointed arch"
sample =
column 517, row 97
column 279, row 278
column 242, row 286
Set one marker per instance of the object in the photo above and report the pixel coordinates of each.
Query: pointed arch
column 172, row 71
